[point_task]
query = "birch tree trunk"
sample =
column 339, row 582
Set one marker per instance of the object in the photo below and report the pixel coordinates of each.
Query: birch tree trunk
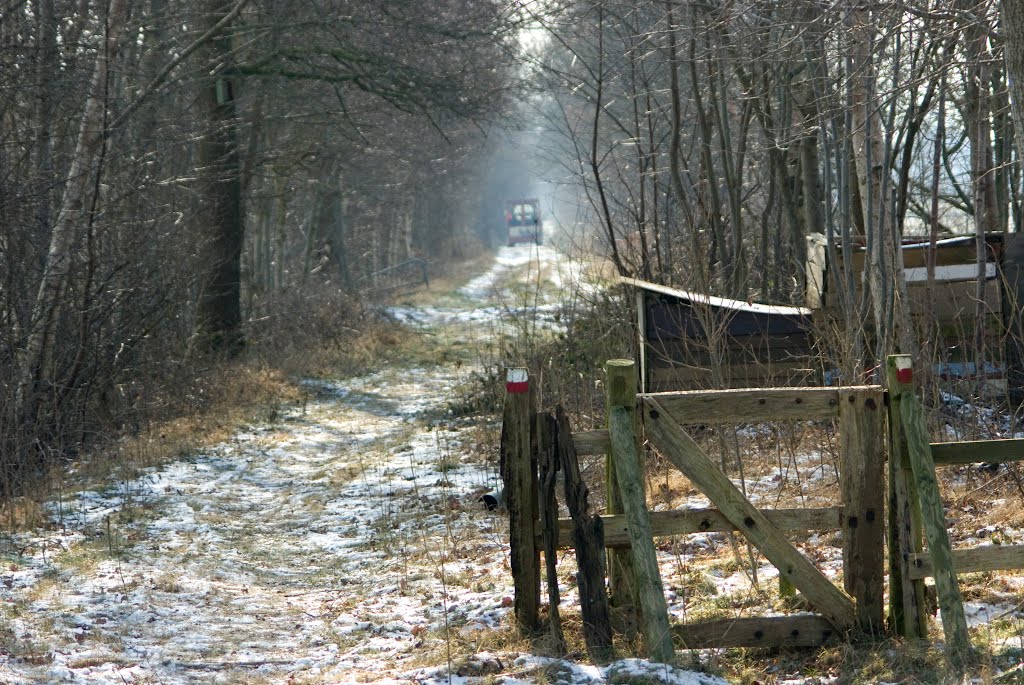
column 84, row 163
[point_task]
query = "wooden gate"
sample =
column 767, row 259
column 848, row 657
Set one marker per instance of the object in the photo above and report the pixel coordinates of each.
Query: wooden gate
column 858, row 606
column 860, row 518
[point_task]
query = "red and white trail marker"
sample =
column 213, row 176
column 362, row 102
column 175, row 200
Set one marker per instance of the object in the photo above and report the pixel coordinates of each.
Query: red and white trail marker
column 904, row 370
column 516, row 381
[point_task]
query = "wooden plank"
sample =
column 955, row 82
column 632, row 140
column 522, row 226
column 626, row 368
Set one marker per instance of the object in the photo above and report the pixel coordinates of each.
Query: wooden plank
column 520, row 482
column 641, row 332
column 761, row 371
column 907, row 614
column 862, row 480
column 951, row 303
column 974, row 451
column 772, row 632
column 588, row 541
column 733, row 350
column 620, row 390
column 547, row 467
column 977, row 559
column 687, row 456
column 947, row 252
column 646, row 575
column 734, row 406
column 954, row 622
column 591, row 442
column 687, row 521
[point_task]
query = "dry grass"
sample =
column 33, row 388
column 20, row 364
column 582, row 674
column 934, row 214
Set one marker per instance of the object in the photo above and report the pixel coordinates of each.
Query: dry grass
column 207, row 402
column 448, row 282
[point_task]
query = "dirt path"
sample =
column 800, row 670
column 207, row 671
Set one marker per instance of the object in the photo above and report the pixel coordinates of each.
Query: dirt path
column 342, row 542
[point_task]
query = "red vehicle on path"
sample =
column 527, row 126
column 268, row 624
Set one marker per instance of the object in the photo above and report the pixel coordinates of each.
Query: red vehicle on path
column 522, row 222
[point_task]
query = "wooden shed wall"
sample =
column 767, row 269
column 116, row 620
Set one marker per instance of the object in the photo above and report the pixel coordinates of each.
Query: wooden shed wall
column 951, row 304
column 695, row 345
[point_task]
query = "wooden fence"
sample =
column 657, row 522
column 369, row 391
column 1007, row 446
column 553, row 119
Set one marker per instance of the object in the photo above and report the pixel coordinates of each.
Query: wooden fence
column 917, row 516
column 621, row 540
column 627, row 531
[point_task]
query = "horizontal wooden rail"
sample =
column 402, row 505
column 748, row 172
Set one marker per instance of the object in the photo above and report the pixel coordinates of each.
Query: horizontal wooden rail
column 686, row 521
column 592, row 442
column 732, row 406
column 762, row 404
column 974, row 451
column 774, row 632
column 987, row 558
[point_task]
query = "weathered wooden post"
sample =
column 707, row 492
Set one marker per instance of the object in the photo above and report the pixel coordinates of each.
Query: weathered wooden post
column 545, row 435
column 620, row 390
column 646, row 576
column 926, row 487
column 588, row 540
column 520, row 482
column 907, row 615
column 862, row 479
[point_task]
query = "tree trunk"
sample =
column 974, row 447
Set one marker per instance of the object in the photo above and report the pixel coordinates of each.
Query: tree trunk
column 84, row 163
column 1013, row 51
column 219, row 315
column 883, row 268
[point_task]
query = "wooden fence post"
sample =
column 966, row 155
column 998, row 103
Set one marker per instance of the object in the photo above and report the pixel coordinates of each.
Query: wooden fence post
column 520, row 482
column 926, row 486
column 546, row 434
column 862, row 478
column 629, row 474
column 588, row 539
column 907, row 615
column 620, row 390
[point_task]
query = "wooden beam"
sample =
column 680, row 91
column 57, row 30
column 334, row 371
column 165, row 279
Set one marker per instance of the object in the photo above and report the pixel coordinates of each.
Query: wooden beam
column 734, row 406
column 976, row 451
column 687, row 521
column 650, row 591
column 588, row 541
column 862, row 480
column 907, row 614
column 520, row 479
column 592, row 442
column 685, row 374
column 987, row 558
column 688, row 457
column 772, row 632
column 954, row 622
column 620, row 391
column 544, row 431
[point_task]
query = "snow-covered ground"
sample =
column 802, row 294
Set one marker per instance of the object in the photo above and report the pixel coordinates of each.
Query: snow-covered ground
column 518, row 288
column 343, row 542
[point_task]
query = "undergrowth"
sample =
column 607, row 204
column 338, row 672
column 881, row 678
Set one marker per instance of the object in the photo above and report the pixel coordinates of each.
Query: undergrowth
column 791, row 464
column 197, row 401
